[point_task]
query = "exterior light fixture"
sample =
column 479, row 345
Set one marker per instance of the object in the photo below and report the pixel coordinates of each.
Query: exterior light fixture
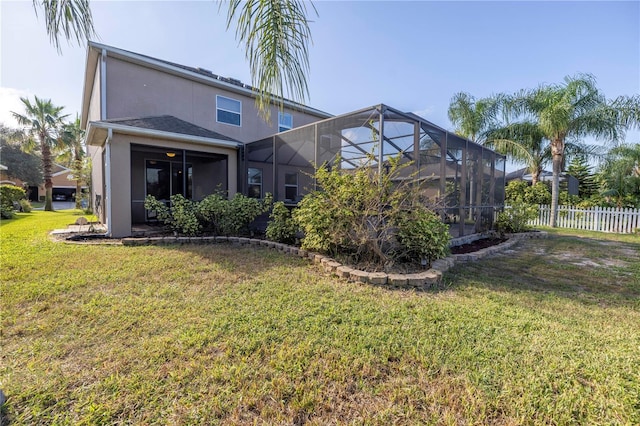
column 171, row 154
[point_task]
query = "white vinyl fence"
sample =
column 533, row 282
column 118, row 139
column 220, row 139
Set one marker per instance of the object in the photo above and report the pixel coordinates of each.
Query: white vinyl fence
column 605, row 219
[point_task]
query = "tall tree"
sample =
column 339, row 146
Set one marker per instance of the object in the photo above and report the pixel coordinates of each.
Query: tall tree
column 473, row 118
column 573, row 109
column 580, row 169
column 41, row 124
column 72, row 152
column 22, row 165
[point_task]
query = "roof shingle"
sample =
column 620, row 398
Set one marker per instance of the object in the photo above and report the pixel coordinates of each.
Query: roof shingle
column 171, row 124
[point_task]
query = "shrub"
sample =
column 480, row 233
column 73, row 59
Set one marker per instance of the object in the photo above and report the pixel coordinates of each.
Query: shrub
column 231, row 217
column 184, row 219
column 515, row 217
column 216, row 213
column 25, row 206
column 362, row 215
column 9, row 195
column 281, row 228
column 422, row 235
column 538, row 194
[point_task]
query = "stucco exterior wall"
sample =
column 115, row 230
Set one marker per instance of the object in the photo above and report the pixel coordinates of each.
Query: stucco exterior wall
column 94, row 102
column 137, row 91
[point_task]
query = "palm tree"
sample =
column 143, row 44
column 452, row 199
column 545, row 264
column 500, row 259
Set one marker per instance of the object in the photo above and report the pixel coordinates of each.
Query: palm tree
column 525, row 142
column 571, row 110
column 472, row 117
column 620, row 175
column 275, row 34
column 72, row 151
column 41, row 122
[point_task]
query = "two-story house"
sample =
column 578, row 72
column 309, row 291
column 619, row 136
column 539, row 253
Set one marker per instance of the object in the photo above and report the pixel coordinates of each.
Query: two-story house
column 159, row 128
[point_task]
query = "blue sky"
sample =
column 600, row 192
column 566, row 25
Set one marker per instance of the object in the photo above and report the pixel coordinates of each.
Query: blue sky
column 411, row 55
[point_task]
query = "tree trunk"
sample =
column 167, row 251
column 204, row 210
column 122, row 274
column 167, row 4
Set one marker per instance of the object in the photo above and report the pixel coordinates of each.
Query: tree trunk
column 557, row 152
column 535, row 176
column 46, row 166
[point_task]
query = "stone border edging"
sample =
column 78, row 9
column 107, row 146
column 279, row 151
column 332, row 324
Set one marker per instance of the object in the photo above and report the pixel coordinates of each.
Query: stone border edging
column 429, row 279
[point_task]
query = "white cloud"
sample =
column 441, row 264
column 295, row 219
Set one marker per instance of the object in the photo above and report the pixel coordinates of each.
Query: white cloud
column 10, row 101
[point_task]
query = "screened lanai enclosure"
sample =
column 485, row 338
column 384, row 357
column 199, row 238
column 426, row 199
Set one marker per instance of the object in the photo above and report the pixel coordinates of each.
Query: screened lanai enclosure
column 462, row 181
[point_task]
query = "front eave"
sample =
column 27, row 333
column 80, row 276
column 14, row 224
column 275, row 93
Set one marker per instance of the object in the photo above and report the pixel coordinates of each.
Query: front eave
column 97, row 133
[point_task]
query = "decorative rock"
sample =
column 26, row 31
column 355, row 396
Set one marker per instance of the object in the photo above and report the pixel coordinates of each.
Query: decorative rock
column 397, row 280
column 318, row 258
column 415, row 280
column 221, row 239
column 254, row 242
column 303, row 253
column 243, row 241
column 82, row 221
column 359, row 276
column 234, row 240
column 431, row 277
column 183, row 240
column 331, row 266
column 264, row 243
column 378, row 278
column 344, row 271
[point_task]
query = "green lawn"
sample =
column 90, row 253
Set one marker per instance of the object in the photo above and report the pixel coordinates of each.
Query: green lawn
column 91, row 334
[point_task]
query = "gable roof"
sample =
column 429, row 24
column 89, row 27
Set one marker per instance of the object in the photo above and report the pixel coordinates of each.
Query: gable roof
column 171, row 124
column 95, row 50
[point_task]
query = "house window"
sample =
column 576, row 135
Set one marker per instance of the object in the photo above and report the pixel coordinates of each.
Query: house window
column 228, row 111
column 255, row 183
column 285, row 121
column 290, row 186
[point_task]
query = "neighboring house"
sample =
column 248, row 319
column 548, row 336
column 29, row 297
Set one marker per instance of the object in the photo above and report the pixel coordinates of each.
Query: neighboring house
column 64, row 185
column 545, row 176
column 159, row 128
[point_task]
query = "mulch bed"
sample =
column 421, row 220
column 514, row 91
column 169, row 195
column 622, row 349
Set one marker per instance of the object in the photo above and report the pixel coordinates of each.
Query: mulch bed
column 477, row 245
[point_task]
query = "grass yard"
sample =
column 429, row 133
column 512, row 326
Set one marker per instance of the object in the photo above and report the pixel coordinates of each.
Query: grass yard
column 546, row 334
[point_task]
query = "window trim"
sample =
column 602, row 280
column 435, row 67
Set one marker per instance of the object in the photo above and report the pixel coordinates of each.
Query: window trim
column 218, row 108
column 281, row 126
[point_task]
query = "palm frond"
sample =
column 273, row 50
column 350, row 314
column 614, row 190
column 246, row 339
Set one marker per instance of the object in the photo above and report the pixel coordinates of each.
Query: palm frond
column 71, row 18
column 276, row 36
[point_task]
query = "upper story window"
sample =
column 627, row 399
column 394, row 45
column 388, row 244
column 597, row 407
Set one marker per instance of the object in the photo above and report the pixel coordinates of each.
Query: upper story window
column 228, row 111
column 285, row 121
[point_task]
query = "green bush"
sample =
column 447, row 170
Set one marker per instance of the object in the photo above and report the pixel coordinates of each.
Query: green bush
column 25, row 206
column 422, row 235
column 281, row 228
column 231, row 217
column 518, row 190
column 10, row 194
column 515, row 217
column 369, row 218
column 215, row 213
column 184, row 218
